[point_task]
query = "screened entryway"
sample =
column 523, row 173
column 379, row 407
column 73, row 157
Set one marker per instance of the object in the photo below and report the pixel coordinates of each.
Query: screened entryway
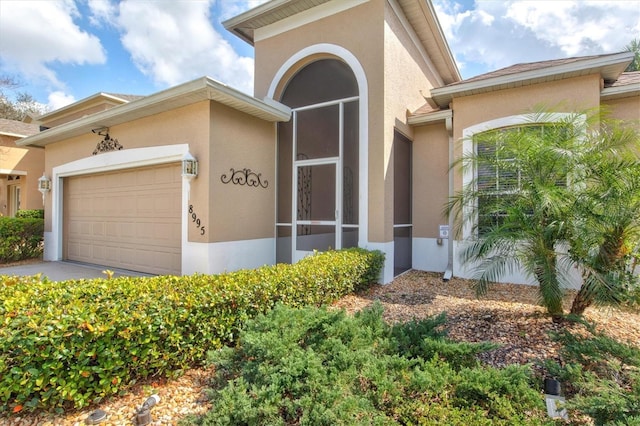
column 318, row 172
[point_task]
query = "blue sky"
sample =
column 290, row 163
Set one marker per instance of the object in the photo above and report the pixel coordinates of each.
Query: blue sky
column 66, row 50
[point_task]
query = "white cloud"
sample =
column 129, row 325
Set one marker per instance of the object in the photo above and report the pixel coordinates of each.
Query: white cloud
column 175, row 41
column 230, row 8
column 34, row 35
column 496, row 34
column 59, row 99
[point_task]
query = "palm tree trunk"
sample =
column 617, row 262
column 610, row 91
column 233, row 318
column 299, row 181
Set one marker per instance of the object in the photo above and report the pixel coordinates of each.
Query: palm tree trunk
column 610, row 255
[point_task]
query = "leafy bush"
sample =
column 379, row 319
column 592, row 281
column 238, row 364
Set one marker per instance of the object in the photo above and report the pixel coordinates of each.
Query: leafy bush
column 20, row 238
column 74, row 342
column 315, row 366
column 30, row 214
column 601, row 375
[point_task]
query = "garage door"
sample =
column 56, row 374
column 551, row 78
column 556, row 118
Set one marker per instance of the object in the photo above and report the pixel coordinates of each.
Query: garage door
column 127, row 219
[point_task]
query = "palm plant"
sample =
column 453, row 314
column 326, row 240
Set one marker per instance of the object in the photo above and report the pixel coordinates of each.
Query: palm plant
column 607, row 217
column 535, row 204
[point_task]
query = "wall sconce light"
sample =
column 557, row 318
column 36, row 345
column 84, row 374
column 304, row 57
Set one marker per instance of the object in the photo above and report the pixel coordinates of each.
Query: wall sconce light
column 44, row 186
column 189, row 166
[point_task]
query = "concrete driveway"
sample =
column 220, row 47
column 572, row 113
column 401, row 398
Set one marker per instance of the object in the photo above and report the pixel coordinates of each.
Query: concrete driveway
column 64, row 270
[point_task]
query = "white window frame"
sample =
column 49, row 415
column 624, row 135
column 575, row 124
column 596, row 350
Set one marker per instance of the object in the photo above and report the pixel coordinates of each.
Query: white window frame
column 469, row 174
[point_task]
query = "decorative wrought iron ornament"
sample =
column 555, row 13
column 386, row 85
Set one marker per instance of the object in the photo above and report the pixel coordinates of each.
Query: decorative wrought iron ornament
column 107, row 144
column 244, row 177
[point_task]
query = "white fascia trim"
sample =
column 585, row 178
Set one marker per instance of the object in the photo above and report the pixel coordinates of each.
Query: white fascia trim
column 253, row 13
column 448, row 92
column 12, row 172
column 13, row 135
column 110, row 161
column 620, row 92
column 432, row 117
column 203, row 88
column 64, row 109
column 304, row 18
column 397, row 10
column 363, row 129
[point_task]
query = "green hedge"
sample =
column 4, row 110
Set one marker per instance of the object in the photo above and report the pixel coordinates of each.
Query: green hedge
column 72, row 343
column 30, row 214
column 20, row 238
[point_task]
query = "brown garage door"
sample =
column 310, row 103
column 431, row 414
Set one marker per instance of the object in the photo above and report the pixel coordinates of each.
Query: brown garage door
column 126, row 219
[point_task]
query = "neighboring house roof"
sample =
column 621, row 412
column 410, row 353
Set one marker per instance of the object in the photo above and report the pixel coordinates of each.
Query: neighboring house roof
column 420, row 15
column 189, row 93
column 16, row 128
column 610, row 66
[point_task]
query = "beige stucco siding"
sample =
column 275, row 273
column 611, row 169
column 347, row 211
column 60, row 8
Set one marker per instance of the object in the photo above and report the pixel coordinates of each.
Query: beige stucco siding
column 22, row 160
column 366, row 45
column 624, row 108
column 569, row 95
column 183, row 125
column 239, row 212
column 430, row 177
column 407, row 76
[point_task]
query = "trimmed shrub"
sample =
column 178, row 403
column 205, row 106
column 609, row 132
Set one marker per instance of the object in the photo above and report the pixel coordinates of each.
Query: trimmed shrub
column 314, row 366
column 30, row 214
column 601, row 376
column 72, row 343
column 20, row 238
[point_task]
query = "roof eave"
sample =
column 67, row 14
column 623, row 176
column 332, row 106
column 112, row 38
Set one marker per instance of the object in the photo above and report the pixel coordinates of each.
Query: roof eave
column 194, row 91
column 429, row 118
column 444, row 95
column 620, row 92
column 233, row 24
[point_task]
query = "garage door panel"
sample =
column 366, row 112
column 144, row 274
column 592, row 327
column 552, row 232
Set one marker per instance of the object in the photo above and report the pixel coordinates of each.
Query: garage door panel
column 128, row 219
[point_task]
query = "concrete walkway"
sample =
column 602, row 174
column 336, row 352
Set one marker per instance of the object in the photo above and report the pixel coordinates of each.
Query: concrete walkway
column 63, row 271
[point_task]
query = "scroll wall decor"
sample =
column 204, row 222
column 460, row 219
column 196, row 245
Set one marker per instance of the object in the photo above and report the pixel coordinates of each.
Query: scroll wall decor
column 107, row 144
column 244, row 177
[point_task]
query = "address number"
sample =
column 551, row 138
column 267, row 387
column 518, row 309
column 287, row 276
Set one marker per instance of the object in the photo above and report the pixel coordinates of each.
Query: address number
column 195, row 219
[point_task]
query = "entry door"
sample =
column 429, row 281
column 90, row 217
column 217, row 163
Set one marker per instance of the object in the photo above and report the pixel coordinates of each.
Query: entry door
column 317, row 212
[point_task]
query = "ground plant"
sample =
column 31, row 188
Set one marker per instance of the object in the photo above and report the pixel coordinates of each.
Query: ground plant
column 317, row 366
column 601, row 377
column 72, row 343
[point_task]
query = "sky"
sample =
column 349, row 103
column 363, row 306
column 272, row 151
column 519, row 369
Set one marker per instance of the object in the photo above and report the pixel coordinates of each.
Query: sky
column 62, row 51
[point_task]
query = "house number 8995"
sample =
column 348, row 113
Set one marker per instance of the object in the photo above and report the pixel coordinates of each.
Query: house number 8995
column 195, row 219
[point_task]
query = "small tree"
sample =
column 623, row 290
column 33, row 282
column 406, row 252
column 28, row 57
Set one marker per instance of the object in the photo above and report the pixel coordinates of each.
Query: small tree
column 533, row 204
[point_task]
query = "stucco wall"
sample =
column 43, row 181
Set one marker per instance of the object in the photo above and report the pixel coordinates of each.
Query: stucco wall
column 430, row 179
column 407, row 76
column 183, row 125
column 23, row 160
column 568, row 95
column 624, row 108
column 366, row 45
column 240, row 212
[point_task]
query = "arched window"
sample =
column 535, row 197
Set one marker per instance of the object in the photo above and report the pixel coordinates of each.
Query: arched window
column 318, row 172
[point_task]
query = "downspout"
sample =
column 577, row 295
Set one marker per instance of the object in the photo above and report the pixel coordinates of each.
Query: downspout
column 448, row 272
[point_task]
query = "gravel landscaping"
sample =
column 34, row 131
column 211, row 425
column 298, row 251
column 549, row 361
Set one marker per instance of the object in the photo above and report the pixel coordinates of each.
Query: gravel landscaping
column 507, row 315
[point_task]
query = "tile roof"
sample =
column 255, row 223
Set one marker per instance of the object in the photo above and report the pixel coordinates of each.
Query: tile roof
column 18, row 128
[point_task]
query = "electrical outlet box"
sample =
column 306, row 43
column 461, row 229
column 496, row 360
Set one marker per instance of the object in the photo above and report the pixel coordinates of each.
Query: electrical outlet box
column 443, row 231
